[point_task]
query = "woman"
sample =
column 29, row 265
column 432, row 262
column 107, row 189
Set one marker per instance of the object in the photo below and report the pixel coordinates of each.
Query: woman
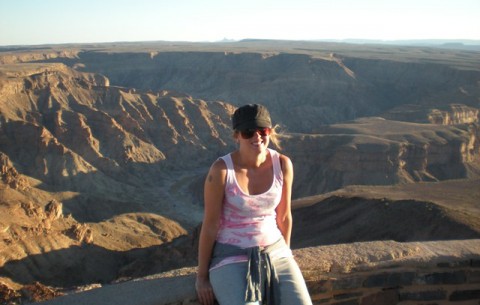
column 244, row 251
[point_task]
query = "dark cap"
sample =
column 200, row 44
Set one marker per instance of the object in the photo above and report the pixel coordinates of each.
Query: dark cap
column 251, row 116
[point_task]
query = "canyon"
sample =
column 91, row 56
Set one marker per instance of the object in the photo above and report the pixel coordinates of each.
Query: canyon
column 104, row 149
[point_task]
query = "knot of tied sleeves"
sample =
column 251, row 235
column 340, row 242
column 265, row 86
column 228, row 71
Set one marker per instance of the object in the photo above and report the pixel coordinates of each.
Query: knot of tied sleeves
column 262, row 279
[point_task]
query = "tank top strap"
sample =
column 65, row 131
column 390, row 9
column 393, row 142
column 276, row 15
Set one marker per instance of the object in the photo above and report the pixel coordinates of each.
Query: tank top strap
column 277, row 167
column 230, row 169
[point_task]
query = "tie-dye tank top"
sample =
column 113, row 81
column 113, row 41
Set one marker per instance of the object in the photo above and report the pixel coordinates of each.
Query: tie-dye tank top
column 250, row 220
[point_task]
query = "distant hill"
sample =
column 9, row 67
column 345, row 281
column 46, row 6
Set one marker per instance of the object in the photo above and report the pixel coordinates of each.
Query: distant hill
column 465, row 44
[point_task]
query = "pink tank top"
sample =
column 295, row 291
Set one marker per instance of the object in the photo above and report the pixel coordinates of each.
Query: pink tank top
column 250, row 220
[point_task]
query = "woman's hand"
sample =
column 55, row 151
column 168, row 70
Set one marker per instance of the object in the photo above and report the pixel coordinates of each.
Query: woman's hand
column 204, row 291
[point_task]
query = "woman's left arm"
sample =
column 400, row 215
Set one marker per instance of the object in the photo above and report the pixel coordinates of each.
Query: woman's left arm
column 284, row 212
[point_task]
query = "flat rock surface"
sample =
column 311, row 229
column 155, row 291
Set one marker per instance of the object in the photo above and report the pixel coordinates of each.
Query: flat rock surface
column 179, row 284
column 367, row 255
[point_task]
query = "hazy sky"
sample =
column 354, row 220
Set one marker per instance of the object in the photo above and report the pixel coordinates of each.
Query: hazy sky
column 63, row 21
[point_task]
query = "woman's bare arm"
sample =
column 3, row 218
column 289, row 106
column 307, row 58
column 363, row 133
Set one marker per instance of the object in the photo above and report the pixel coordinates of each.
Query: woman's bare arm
column 214, row 190
column 284, row 213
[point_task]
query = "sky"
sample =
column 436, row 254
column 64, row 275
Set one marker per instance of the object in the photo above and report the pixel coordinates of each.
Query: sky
column 34, row 22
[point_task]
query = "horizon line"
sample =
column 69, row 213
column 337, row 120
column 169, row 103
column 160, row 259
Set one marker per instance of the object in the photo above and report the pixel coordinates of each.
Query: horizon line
column 436, row 41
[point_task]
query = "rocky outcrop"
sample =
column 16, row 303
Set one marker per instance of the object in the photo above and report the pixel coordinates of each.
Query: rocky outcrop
column 81, row 233
column 10, row 176
column 453, row 114
column 21, row 55
column 54, row 210
column 457, row 114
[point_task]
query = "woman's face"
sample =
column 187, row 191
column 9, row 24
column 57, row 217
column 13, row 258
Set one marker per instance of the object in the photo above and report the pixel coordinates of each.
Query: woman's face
column 254, row 139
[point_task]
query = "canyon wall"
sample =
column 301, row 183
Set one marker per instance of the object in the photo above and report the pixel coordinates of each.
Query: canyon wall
column 98, row 130
column 375, row 151
column 303, row 91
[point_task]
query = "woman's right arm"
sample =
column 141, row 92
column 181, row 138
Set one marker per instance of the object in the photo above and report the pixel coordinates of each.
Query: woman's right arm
column 214, row 190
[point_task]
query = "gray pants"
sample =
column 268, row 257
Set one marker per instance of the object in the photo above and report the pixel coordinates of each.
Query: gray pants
column 229, row 283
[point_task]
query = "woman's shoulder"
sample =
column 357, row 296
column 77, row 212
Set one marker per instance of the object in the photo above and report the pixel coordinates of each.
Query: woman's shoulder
column 282, row 157
column 285, row 162
column 218, row 165
column 217, row 172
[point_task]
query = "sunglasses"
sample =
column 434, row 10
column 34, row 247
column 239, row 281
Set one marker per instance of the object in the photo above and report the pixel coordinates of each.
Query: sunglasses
column 248, row 133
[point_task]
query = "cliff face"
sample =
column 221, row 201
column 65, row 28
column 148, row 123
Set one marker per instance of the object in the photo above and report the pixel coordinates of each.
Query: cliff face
column 453, row 114
column 376, row 151
column 457, row 114
column 60, row 123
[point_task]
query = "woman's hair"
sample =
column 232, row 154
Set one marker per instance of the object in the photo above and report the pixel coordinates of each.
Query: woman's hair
column 275, row 137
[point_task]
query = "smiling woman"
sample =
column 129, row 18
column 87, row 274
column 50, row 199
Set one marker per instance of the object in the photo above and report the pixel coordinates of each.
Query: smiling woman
column 244, row 249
